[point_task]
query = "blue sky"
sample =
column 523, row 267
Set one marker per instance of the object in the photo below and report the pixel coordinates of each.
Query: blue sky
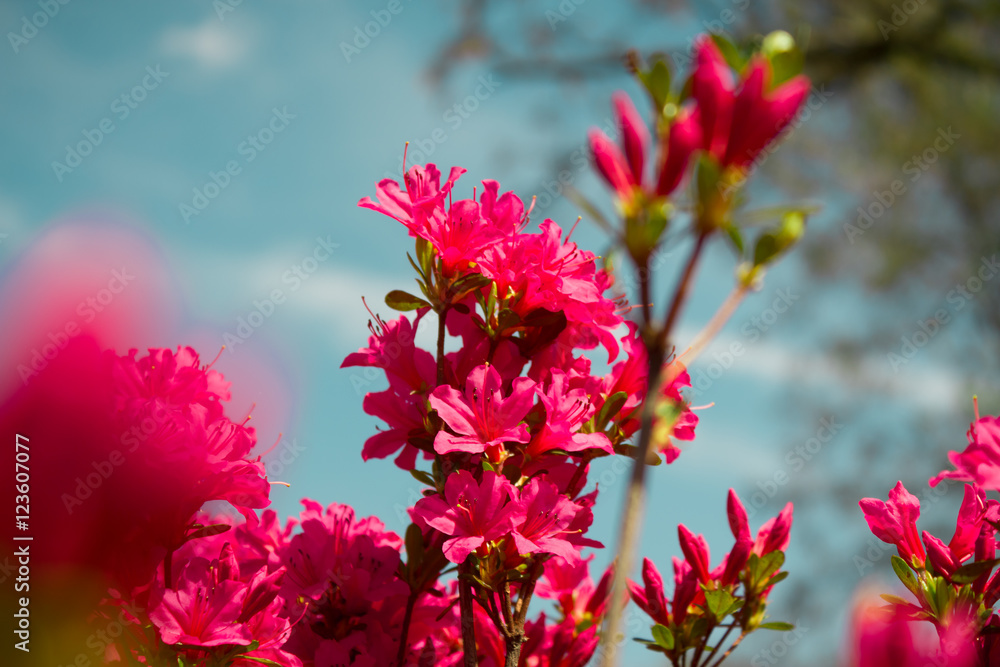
column 238, row 143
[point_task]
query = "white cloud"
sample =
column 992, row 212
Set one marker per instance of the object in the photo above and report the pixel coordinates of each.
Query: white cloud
column 928, row 386
column 211, row 44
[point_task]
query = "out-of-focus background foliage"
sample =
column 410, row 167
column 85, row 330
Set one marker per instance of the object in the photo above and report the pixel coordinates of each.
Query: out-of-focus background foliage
column 815, row 410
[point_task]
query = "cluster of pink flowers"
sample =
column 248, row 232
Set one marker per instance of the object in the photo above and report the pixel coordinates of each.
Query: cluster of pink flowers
column 704, row 597
column 501, row 430
column 512, row 419
column 728, row 121
column 955, row 585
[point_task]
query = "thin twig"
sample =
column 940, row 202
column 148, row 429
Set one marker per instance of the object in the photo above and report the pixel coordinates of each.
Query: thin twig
column 730, row 649
column 411, row 602
column 683, row 287
column 465, row 609
column 710, row 330
column 656, row 344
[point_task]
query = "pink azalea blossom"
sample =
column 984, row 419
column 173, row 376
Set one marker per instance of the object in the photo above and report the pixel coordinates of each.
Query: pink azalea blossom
column 204, row 607
column 566, row 410
column 696, row 553
column 979, row 463
column 569, row 583
column 623, row 167
column 482, row 417
column 472, row 513
column 420, row 205
column 682, row 138
column 895, row 522
column 547, row 522
column 651, row 597
column 775, row 533
column 737, row 124
column 884, row 636
column 392, row 348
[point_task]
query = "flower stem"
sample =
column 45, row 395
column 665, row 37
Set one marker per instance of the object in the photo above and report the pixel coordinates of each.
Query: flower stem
column 411, row 602
column 656, row 350
column 512, row 646
column 465, row 609
column 440, row 344
column 711, row 330
column 683, row 287
column 730, row 649
column 719, row 644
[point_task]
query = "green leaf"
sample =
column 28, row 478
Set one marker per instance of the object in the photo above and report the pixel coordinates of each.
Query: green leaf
column 611, row 407
column 656, row 80
column 768, row 214
column 263, row 661
column 944, row 594
column 631, row 451
column 425, row 255
column 734, row 607
column 734, row 235
column 730, row 53
column 718, row 602
column 487, row 466
column 765, row 250
column 403, row 301
column 590, row 209
column 507, row 319
column 770, row 564
column 776, row 625
column 423, row 476
column 415, row 267
column 894, row 599
column 414, row 544
column 905, row 574
column 663, row 636
column 786, row 57
column 466, row 284
column 969, row 572
column 781, row 576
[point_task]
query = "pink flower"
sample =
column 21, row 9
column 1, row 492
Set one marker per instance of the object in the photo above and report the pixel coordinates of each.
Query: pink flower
column 651, row 598
column 695, row 552
column 979, row 463
column 969, row 522
column 473, row 514
column 885, row 636
column 483, row 417
column 391, row 347
column 775, row 534
column 359, row 556
column 569, row 583
column 624, row 172
column 895, row 522
column 682, row 139
column 458, row 231
column 940, row 556
column 737, row 125
column 204, row 608
column 404, row 416
column 676, row 419
column 420, row 204
column 547, row 522
column 342, row 582
column 611, row 164
column 566, row 410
